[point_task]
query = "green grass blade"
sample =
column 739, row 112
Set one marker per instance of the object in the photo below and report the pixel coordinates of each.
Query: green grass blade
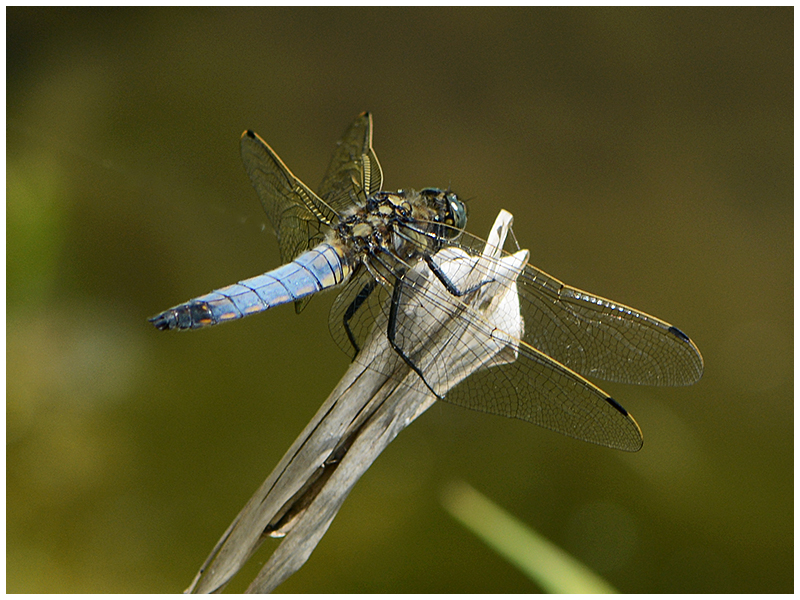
column 549, row 566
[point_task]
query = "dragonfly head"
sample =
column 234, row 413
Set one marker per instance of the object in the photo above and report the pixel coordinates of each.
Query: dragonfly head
column 452, row 211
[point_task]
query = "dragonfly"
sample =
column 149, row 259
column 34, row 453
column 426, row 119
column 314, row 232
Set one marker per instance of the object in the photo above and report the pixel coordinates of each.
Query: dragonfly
column 373, row 244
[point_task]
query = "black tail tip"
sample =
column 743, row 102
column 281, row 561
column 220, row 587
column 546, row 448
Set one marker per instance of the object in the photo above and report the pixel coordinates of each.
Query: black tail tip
column 163, row 321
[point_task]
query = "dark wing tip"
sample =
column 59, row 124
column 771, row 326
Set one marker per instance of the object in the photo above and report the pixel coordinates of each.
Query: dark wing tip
column 365, row 116
column 632, row 443
column 679, row 334
column 617, row 405
column 249, row 133
column 696, row 359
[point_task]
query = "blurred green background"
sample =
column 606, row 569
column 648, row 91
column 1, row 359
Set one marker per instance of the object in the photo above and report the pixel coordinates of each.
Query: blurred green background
column 646, row 156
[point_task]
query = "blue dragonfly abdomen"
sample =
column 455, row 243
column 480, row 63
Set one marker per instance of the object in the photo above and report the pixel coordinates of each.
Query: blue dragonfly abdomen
column 317, row 269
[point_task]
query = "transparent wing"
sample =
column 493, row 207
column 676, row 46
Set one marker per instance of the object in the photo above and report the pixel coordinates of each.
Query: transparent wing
column 299, row 217
column 539, row 390
column 601, row 338
column 596, row 337
column 564, row 334
column 354, row 171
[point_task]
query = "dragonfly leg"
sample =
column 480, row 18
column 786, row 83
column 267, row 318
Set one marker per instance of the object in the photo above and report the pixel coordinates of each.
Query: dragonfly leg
column 391, row 335
column 451, row 287
column 360, row 298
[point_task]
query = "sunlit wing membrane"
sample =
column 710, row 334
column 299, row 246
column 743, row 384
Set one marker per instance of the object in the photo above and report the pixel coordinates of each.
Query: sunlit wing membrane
column 354, row 171
column 601, row 338
column 297, row 214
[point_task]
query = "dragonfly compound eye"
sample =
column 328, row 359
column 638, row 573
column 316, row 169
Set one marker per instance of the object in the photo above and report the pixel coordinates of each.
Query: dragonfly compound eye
column 457, row 213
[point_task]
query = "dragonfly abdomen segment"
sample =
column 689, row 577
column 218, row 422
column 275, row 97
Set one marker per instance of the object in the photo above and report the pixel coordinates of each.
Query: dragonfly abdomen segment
column 315, row 270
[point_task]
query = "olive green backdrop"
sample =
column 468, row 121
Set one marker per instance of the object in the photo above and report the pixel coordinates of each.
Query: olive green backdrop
column 646, row 156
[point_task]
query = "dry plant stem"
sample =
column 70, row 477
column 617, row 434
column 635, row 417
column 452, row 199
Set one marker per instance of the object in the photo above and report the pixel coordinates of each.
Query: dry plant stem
column 304, row 492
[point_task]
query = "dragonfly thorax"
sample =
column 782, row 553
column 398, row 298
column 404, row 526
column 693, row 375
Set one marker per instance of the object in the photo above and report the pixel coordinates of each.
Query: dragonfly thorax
column 405, row 223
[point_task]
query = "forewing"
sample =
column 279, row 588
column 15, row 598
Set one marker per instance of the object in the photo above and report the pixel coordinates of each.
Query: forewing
column 354, row 171
column 297, row 214
column 605, row 339
column 596, row 337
